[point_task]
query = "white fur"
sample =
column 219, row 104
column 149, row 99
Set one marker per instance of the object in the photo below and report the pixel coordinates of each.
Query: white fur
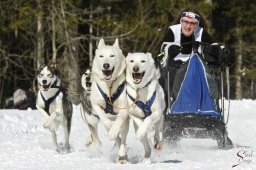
column 143, row 88
column 46, row 79
column 111, row 58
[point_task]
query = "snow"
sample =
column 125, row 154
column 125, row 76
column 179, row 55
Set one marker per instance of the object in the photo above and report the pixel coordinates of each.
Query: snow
column 25, row 144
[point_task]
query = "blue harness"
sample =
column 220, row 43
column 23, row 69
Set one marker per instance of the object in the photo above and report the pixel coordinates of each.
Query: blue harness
column 146, row 108
column 109, row 106
column 49, row 101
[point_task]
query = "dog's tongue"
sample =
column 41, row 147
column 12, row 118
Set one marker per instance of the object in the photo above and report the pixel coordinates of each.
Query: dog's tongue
column 46, row 86
column 137, row 77
column 107, row 72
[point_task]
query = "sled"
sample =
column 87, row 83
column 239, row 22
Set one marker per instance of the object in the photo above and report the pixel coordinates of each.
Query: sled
column 193, row 113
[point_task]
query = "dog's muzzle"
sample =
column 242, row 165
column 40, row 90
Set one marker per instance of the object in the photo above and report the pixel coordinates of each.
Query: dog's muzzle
column 107, row 72
column 137, row 77
column 45, row 85
column 88, row 86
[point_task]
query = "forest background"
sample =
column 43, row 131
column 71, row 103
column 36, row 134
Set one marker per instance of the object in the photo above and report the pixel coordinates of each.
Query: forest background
column 66, row 32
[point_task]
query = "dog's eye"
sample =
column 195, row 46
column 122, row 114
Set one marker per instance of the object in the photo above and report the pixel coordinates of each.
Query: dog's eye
column 131, row 61
column 40, row 75
column 50, row 75
column 143, row 61
column 101, row 56
column 112, row 56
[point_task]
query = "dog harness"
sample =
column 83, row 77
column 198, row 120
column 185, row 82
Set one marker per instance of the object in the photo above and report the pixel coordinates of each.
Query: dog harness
column 49, row 101
column 146, row 108
column 110, row 100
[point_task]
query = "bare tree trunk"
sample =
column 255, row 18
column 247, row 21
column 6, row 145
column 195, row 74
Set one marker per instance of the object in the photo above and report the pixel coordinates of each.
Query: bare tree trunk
column 239, row 62
column 54, row 50
column 40, row 36
column 68, row 37
column 73, row 72
column 252, row 89
column 90, row 41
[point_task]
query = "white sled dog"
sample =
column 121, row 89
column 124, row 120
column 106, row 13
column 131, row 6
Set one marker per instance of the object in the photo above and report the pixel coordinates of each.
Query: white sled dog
column 54, row 104
column 90, row 119
column 108, row 95
column 147, row 99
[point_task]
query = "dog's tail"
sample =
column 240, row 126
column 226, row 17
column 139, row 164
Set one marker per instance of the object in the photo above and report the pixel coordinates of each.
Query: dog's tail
column 68, row 110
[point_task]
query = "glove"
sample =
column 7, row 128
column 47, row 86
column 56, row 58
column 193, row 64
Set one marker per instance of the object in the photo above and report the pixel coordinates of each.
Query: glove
column 223, row 56
column 220, row 53
column 173, row 51
column 170, row 50
column 214, row 50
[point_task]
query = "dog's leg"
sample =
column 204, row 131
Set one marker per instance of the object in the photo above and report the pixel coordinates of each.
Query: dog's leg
column 54, row 139
column 106, row 122
column 122, row 157
column 158, row 134
column 147, row 149
column 152, row 119
column 93, row 138
column 117, row 125
column 67, row 127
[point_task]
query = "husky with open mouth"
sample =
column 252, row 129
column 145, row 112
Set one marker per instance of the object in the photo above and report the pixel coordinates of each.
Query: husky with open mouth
column 108, row 94
column 54, row 104
column 146, row 97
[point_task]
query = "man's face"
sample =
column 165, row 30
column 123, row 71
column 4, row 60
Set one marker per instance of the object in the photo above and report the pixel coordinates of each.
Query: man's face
column 188, row 26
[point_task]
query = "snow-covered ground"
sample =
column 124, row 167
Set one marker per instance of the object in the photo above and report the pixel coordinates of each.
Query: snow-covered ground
column 25, row 144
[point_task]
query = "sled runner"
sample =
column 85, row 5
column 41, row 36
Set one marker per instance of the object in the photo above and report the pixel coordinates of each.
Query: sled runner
column 193, row 113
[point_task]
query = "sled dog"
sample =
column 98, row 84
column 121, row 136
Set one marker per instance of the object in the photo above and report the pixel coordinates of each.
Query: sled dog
column 90, row 119
column 54, row 104
column 146, row 96
column 108, row 93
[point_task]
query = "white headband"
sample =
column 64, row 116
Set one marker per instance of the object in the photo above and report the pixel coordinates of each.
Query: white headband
column 191, row 15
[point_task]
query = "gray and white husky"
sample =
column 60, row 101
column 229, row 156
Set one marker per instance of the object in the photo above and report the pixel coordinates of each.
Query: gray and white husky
column 54, row 104
column 88, row 116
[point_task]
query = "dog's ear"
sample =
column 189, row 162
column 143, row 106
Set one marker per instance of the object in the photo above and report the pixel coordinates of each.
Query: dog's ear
column 53, row 68
column 41, row 67
column 116, row 44
column 101, row 43
column 149, row 54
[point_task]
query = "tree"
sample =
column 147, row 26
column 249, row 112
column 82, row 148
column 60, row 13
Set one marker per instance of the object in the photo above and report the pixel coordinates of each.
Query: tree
column 235, row 25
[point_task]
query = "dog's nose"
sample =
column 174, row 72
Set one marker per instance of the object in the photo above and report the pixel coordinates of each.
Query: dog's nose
column 106, row 66
column 88, row 78
column 44, row 81
column 136, row 69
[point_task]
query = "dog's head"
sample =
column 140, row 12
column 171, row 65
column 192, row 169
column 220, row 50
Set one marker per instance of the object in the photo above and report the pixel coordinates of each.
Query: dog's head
column 140, row 68
column 47, row 77
column 109, row 61
column 86, row 80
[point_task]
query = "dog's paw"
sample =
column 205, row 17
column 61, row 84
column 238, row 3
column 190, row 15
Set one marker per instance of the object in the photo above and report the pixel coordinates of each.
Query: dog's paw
column 46, row 125
column 158, row 146
column 122, row 159
column 112, row 134
column 88, row 141
column 54, row 126
column 146, row 161
column 140, row 133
